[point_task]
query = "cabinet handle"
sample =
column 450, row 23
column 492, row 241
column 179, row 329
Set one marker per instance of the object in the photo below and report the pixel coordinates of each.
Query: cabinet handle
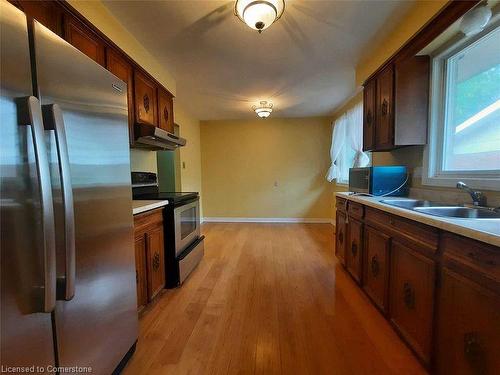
column 145, row 101
column 375, row 266
column 354, row 249
column 165, row 113
column 385, row 107
column 409, row 295
column 156, row 261
column 369, row 117
column 341, row 238
column 474, row 352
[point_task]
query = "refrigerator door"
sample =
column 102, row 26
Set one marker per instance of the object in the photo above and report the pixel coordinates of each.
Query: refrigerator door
column 96, row 312
column 26, row 216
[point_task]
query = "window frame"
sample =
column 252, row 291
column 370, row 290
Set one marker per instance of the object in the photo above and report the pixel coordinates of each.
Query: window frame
column 434, row 175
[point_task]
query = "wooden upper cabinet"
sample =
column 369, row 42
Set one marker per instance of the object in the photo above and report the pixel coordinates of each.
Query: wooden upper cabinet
column 165, row 111
column 48, row 13
column 411, row 90
column 84, row 39
column 369, row 115
column 145, row 99
column 117, row 64
column 411, row 291
column 384, row 130
column 468, row 329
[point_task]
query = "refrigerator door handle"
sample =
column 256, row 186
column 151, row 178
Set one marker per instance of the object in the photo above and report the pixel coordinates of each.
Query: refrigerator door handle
column 30, row 114
column 53, row 120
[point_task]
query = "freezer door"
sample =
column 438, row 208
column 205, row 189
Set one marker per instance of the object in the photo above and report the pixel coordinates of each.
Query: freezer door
column 96, row 316
column 26, row 218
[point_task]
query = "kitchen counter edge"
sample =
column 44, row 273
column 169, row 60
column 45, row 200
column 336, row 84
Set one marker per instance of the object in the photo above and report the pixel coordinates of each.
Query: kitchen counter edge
column 140, row 206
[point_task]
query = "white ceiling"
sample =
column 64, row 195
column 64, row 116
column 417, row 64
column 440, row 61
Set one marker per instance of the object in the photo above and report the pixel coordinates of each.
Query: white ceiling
column 304, row 63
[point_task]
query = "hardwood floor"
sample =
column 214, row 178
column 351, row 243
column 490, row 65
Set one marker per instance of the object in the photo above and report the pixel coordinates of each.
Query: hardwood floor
column 268, row 299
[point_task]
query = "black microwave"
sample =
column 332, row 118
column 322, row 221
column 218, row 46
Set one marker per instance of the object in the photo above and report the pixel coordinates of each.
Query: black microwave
column 379, row 181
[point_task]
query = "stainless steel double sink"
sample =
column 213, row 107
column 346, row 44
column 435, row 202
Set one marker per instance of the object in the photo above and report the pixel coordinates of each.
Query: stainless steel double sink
column 442, row 209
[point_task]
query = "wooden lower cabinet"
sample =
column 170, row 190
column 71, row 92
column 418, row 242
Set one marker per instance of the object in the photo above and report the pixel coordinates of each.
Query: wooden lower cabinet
column 411, row 291
column 340, row 236
column 155, row 261
column 376, row 266
column 468, row 337
column 354, row 249
column 140, row 271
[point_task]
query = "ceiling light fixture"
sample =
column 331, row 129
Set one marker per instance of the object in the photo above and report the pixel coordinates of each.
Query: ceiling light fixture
column 264, row 109
column 259, row 14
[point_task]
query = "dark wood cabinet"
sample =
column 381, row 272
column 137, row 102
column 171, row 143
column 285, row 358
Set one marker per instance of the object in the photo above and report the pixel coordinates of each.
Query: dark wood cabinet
column 140, row 271
column 369, row 115
column 48, row 13
column 165, row 111
column 84, row 39
column 149, row 255
column 145, row 99
column 412, row 282
column 384, row 127
column 354, row 249
column 468, row 337
column 376, row 266
column 340, row 236
column 155, row 261
column 117, row 64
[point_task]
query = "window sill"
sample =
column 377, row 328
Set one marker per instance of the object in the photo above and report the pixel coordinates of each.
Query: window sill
column 472, row 182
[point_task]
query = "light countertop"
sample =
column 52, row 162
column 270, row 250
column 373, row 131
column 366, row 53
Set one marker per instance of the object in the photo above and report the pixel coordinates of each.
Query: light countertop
column 143, row 206
column 484, row 230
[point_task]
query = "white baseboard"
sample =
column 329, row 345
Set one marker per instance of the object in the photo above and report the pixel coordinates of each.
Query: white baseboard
column 266, row 220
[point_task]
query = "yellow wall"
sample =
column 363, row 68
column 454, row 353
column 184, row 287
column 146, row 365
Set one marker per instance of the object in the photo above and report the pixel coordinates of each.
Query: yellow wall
column 242, row 160
column 384, row 46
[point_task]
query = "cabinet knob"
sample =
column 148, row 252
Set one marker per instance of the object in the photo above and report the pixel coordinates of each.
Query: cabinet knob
column 409, row 295
column 375, row 266
column 165, row 113
column 145, row 101
column 369, row 117
column 385, row 107
column 354, row 249
column 156, row 261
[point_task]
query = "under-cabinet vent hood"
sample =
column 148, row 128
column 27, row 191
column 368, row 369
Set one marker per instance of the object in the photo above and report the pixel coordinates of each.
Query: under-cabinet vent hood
column 154, row 138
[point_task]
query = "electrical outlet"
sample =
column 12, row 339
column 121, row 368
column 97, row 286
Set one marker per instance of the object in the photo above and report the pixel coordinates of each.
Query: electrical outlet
column 183, row 165
column 275, row 183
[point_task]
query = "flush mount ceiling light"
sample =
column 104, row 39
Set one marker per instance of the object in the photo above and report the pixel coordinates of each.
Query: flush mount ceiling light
column 264, row 109
column 259, row 14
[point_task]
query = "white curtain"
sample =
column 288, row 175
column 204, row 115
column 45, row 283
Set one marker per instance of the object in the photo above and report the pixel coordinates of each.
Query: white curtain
column 338, row 143
column 355, row 133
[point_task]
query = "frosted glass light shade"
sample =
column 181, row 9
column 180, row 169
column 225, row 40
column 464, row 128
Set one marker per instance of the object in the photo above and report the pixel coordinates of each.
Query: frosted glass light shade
column 259, row 14
column 264, row 109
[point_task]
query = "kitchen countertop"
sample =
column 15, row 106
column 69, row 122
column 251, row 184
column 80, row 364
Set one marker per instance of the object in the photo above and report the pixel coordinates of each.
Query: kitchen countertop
column 139, row 206
column 484, row 230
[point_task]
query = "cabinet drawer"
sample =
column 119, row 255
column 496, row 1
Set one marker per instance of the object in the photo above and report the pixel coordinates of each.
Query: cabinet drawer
column 481, row 262
column 408, row 230
column 376, row 266
column 355, row 210
column 412, row 282
column 146, row 219
column 468, row 330
column 340, row 236
column 340, row 204
column 354, row 249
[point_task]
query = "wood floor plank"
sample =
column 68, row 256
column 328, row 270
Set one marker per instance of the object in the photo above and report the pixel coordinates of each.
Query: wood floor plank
column 268, row 299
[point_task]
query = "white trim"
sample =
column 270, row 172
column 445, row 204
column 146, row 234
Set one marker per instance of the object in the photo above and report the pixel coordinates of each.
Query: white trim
column 267, row 220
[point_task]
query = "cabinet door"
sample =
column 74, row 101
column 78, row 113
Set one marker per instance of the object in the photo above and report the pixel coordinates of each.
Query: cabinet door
column 376, row 266
column 140, row 267
column 81, row 37
column 145, row 99
column 165, row 111
column 384, row 132
column 48, row 13
column 155, row 261
column 468, row 329
column 369, row 95
column 354, row 249
column 117, row 64
column 411, row 308
column 340, row 236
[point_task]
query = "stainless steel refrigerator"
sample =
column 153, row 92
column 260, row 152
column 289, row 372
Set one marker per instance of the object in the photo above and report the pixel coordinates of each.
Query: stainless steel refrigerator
column 68, row 294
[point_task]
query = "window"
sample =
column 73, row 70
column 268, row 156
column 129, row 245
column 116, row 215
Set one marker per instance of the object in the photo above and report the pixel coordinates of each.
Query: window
column 465, row 113
column 347, row 145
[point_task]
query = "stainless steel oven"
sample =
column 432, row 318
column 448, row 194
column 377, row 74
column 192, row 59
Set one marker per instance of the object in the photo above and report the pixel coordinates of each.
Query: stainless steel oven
column 186, row 225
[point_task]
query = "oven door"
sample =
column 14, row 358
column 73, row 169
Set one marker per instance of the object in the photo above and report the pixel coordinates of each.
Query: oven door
column 187, row 225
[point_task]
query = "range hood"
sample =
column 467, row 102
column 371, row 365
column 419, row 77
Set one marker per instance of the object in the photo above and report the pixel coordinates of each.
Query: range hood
column 154, row 138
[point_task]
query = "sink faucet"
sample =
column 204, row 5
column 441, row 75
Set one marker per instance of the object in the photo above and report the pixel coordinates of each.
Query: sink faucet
column 478, row 198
